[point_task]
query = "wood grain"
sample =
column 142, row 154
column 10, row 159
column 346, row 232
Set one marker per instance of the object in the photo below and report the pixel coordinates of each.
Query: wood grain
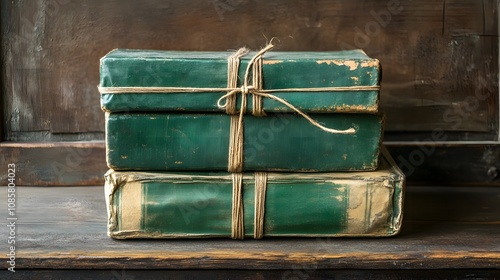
column 55, row 163
column 65, row 228
column 436, row 55
column 83, row 163
column 289, row 274
column 452, row 164
column 440, row 65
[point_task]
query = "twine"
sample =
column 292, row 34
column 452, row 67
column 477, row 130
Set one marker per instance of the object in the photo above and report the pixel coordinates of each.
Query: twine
column 235, row 151
column 129, row 90
column 233, row 65
column 237, row 222
column 260, row 203
column 257, row 108
column 237, row 213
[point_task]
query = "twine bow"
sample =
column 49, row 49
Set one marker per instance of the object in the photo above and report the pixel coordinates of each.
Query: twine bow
column 246, row 89
column 228, row 102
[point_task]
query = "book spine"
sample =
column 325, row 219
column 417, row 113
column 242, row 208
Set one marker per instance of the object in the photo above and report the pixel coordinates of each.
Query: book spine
column 282, row 142
column 156, row 206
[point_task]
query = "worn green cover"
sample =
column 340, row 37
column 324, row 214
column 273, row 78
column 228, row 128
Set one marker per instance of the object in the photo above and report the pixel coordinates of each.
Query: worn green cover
column 282, row 142
column 198, row 205
column 281, row 70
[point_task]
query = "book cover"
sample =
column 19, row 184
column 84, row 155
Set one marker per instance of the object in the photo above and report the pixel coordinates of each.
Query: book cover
column 201, row 205
column 277, row 142
column 352, row 70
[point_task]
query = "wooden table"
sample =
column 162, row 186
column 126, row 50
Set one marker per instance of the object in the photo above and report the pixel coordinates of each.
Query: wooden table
column 61, row 233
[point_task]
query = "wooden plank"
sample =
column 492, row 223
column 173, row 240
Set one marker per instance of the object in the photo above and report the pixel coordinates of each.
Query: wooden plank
column 3, row 103
column 55, row 163
column 83, row 163
column 65, row 228
column 47, row 137
column 294, row 273
column 433, row 77
column 457, row 19
column 43, row 93
column 434, row 55
column 452, row 204
column 25, row 73
column 458, row 93
column 490, row 16
column 438, row 164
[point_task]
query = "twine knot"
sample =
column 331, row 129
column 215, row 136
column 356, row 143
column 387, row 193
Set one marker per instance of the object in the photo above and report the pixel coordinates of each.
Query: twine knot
column 245, row 90
column 254, row 67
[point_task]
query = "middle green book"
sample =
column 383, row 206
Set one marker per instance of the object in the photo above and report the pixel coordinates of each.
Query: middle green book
column 276, row 142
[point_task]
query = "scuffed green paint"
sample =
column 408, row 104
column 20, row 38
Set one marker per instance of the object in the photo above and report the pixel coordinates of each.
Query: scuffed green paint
column 281, row 70
column 186, row 204
column 285, row 142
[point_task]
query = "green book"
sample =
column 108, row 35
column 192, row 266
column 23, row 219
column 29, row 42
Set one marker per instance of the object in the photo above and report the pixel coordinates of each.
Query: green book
column 200, row 205
column 280, row 71
column 277, row 142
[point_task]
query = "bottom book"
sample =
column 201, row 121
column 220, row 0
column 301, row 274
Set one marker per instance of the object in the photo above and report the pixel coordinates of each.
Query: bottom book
column 255, row 205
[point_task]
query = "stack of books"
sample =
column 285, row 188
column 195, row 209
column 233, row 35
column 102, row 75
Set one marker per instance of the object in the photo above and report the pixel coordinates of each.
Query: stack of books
column 246, row 145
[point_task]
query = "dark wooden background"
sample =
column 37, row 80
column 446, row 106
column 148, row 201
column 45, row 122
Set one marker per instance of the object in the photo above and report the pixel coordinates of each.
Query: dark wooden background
column 440, row 73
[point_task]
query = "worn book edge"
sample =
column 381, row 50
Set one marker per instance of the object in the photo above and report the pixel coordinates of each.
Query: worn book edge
column 391, row 177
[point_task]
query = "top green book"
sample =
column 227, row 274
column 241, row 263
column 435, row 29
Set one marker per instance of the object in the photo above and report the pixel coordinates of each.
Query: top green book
column 313, row 82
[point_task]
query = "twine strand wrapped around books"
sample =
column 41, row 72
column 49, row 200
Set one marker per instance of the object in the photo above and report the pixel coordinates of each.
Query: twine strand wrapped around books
column 237, row 217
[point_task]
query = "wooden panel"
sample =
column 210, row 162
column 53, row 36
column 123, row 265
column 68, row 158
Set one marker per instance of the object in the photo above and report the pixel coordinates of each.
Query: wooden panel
column 65, row 228
column 51, row 72
column 26, row 94
column 452, row 204
column 440, row 59
column 457, row 19
column 285, row 274
column 440, row 62
column 455, row 90
column 491, row 22
column 457, row 164
column 56, row 163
